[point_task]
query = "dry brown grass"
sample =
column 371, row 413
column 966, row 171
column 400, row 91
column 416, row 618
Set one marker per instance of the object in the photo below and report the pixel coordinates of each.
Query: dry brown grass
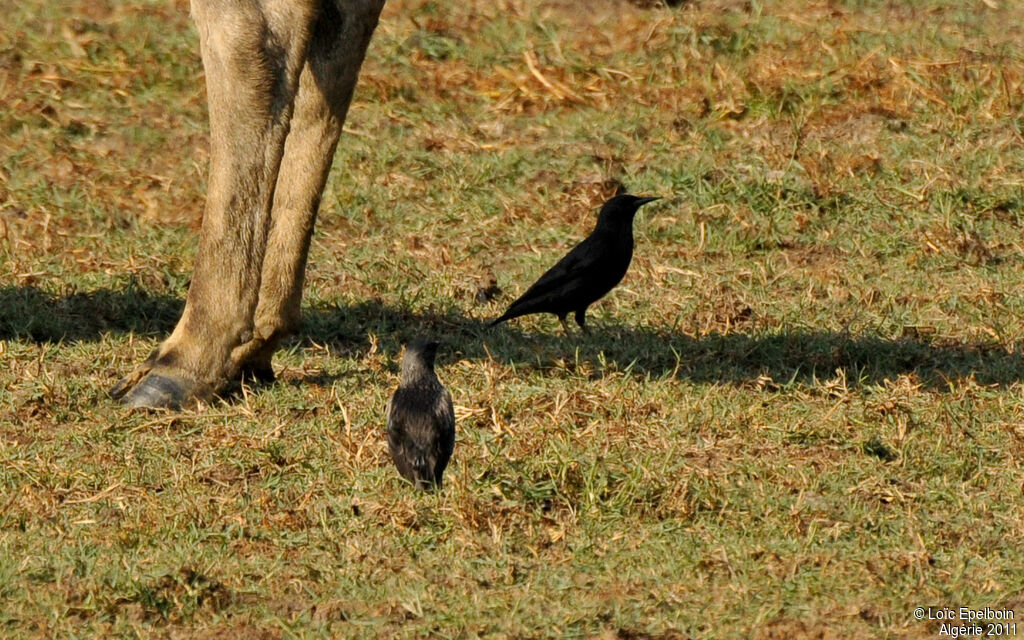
column 799, row 416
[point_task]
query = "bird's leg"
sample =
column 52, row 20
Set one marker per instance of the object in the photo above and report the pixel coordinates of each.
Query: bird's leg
column 581, row 319
column 565, row 325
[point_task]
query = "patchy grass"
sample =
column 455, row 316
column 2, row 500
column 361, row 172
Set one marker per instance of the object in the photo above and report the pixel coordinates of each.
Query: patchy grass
column 800, row 416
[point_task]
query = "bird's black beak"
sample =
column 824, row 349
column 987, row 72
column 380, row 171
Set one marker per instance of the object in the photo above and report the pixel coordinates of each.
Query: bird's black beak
column 642, row 201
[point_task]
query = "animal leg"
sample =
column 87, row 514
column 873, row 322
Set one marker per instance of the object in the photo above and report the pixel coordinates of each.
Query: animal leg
column 581, row 319
column 336, row 50
column 253, row 52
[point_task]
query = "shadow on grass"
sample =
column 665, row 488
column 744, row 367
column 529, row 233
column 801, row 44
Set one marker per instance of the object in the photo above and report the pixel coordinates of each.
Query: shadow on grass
column 29, row 313
column 789, row 356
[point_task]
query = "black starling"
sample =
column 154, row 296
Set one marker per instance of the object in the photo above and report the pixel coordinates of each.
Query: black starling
column 587, row 272
column 421, row 419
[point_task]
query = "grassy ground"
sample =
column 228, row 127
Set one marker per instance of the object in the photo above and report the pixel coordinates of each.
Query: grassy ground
column 800, row 416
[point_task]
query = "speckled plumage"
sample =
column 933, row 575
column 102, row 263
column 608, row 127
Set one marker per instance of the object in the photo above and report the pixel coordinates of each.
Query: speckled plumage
column 421, row 419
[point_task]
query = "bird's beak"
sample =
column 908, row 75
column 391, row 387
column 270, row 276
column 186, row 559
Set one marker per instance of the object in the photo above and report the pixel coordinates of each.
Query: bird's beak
column 642, row 201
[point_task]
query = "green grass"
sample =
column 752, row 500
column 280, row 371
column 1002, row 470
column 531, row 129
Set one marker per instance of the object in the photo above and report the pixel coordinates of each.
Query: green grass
column 799, row 416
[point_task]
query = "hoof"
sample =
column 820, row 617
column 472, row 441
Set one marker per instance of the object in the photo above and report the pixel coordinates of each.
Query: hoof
column 154, row 391
column 124, row 385
column 257, row 373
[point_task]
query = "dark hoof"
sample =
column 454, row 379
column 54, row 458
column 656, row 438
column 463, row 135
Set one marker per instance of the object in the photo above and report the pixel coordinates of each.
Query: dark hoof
column 155, row 391
column 257, row 374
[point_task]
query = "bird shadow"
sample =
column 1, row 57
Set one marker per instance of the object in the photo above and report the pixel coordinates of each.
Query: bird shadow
column 772, row 358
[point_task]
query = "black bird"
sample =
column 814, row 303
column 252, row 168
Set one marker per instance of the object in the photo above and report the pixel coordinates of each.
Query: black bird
column 421, row 419
column 589, row 271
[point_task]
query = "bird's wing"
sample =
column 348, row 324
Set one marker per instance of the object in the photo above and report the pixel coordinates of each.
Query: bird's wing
column 445, row 409
column 399, row 421
column 445, row 444
column 414, row 418
column 445, row 414
column 395, row 418
column 573, row 266
column 399, row 415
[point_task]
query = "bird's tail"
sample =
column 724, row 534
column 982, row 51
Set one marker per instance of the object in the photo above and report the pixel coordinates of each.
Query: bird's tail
column 423, row 469
column 512, row 313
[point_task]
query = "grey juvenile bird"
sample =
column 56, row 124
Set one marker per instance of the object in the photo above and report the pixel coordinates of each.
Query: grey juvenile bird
column 589, row 271
column 421, row 419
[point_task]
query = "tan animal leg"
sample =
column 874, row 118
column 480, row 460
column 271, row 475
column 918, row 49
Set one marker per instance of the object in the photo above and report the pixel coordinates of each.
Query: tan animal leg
column 325, row 91
column 253, row 52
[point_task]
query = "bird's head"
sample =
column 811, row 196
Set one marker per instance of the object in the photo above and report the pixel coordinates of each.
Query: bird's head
column 419, row 356
column 621, row 209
